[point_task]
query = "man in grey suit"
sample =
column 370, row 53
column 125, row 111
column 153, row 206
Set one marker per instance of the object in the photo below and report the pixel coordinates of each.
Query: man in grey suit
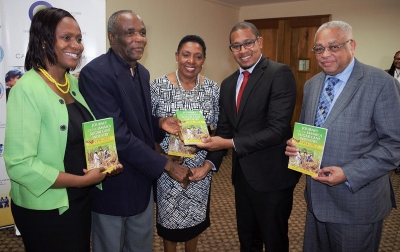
column 352, row 194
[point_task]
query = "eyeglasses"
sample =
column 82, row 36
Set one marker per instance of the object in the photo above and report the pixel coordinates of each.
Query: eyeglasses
column 397, row 59
column 334, row 48
column 247, row 45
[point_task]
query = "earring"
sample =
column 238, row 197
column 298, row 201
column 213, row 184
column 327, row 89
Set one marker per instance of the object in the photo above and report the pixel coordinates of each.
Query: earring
column 43, row 47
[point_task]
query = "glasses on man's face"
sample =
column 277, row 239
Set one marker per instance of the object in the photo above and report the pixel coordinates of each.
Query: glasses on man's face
column 397, row 59
column 247, row 45
column 334, row 48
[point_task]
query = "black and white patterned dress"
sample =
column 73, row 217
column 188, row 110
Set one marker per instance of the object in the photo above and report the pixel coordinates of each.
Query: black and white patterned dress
column 183, row 214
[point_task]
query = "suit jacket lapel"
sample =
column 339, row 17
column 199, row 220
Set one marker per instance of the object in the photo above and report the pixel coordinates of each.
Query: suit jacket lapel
column 145, row 87
column 346, row 95
column 314, row 98
column 126, row 84
column 255, row 76
column 231, row 112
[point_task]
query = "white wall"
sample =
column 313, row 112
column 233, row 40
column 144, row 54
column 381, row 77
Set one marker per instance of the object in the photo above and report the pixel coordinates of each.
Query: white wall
column 375, row 23
column 167, row 21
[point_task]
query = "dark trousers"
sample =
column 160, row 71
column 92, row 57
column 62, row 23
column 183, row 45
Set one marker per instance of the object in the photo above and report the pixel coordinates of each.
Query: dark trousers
column 48, row 231
column 262, row 218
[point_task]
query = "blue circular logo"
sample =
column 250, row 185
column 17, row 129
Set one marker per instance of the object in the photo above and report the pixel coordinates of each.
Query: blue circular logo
column 37, row 6
column 1, row 54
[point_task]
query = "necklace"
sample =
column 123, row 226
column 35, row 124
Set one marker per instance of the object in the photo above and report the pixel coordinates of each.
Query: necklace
column 58, row 85
column 186, row 94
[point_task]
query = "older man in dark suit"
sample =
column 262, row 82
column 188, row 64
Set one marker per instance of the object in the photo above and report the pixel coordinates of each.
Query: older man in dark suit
column 116, row 85
column 256, row 106
column 352, row 194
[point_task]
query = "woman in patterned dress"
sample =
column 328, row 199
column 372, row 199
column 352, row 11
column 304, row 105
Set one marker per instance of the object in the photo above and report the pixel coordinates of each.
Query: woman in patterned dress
column 183, row 214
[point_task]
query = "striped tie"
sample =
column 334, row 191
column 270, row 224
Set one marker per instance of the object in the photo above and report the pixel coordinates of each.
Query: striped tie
column 325, row 101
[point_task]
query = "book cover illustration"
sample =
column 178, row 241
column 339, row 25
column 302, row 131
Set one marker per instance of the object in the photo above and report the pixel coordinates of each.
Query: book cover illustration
column 178, row 148
column 100, row 147
column 194, row 127
column 310, row 140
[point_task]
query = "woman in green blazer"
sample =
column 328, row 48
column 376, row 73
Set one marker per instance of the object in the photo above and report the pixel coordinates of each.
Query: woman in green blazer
column 44, row 151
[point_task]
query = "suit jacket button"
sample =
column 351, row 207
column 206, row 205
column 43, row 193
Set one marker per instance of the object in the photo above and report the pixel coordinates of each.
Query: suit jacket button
column 61, row 101
column 63, row 127
column 73, row 93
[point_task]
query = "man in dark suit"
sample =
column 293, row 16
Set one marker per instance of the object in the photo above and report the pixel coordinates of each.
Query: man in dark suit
column 257, row 126
column 116, row 85
column 350, row 197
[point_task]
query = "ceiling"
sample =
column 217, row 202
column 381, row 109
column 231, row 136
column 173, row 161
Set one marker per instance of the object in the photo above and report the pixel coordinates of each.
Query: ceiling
column 241, row 3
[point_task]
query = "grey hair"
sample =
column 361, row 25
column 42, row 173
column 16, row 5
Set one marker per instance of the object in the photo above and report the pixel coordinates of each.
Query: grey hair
column 111, row 28
column 342, row 26
column 244, row 25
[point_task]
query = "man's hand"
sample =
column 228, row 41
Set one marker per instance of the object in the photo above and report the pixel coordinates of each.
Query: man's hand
column 170, row 124
column 175, row 159
column 331, row 176
column 291, row 149
column 178, row 172
column 216, row 143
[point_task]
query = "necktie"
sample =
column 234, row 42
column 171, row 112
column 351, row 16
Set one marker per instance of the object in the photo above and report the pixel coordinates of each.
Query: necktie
column 325, row 101
column 244, row 82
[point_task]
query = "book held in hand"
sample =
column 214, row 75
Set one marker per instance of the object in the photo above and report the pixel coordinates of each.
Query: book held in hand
column 194, row 127
column 178, row 148
column 310, row 140
column 100, row 147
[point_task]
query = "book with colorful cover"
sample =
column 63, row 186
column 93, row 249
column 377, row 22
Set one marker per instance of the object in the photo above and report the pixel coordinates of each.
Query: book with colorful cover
column 178, row 148
column 310, row 140
column 194, row 127
column 100, row 147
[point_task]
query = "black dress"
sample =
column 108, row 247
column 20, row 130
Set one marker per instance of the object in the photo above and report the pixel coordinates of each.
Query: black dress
column 47, row 230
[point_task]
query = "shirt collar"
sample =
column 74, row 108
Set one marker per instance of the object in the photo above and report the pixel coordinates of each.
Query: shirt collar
column 345, row 75
column 124, row 64
column 251, row 68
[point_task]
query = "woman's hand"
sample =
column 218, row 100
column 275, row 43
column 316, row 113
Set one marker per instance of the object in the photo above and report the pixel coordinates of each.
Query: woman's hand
column 119, row 168
column 201, row 172
column 93, row 176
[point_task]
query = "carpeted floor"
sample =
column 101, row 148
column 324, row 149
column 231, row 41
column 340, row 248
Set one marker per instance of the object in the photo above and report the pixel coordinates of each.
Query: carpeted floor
column 222, row 235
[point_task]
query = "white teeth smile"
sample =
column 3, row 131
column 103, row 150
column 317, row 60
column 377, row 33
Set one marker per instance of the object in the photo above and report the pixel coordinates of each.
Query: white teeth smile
column 190, row 68
column 72, row 55
column 245, row 58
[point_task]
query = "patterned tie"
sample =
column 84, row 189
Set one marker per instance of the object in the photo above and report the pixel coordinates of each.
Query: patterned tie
column 244, row 82
column 325, row 101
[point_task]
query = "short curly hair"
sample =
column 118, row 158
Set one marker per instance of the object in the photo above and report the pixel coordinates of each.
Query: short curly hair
column 195, row 39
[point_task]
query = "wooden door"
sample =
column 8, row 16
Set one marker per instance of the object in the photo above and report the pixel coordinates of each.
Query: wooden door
column 289, row 41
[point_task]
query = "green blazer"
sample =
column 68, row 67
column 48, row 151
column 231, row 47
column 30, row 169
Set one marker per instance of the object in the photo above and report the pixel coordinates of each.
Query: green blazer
column 35, row 142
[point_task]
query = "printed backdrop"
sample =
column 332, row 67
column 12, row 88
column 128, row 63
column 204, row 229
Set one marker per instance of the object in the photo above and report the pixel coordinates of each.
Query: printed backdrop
column 14, row 34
